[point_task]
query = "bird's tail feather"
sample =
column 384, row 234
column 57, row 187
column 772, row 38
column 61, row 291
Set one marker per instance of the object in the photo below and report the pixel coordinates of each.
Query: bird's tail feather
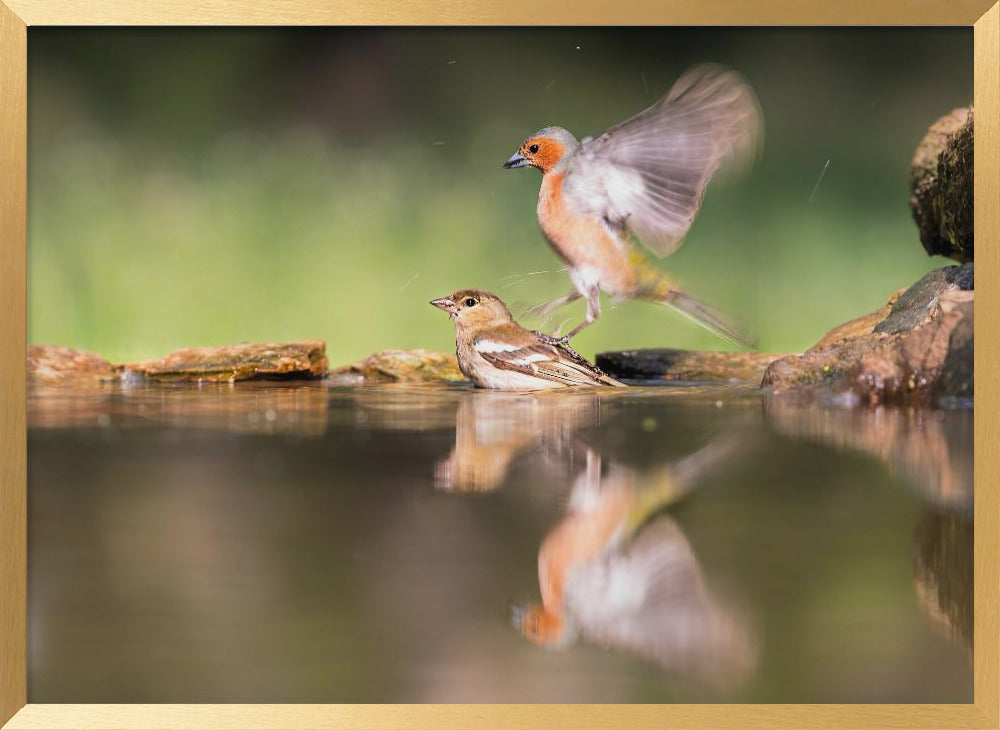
column 707, row 317
column 665, row 486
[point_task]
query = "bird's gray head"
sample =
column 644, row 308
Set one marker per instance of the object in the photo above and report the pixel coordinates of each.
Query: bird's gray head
column 544, row 149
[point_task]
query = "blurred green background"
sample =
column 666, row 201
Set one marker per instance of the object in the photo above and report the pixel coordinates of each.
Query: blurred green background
column 205, row 187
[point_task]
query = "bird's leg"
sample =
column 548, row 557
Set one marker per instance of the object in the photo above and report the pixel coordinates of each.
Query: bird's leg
column 593, row 312
column 587, row 487
column 547, row 308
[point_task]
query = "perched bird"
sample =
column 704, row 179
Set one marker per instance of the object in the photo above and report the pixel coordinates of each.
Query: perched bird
column 643, row 177
column 617, row 572
column 494, row 351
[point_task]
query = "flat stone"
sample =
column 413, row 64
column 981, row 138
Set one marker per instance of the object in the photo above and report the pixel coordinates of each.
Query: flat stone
column 288, row 360
column 399, row 366
column 692, row 365
column 54, row 364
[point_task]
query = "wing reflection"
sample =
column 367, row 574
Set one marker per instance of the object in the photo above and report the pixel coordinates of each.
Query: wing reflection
column 618, row 573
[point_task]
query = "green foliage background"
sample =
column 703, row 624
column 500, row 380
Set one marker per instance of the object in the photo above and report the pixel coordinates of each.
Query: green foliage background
column 201, row 187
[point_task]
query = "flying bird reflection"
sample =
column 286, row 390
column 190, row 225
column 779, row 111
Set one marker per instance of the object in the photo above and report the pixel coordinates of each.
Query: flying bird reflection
column 618, row 573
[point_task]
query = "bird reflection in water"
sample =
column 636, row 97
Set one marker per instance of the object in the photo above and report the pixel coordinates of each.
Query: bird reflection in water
column 617, row 572
column 493, row 428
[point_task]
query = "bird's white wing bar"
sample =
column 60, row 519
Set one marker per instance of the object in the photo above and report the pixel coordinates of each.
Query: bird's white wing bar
column 513, row 354
column 648, row 173
column 484, row 346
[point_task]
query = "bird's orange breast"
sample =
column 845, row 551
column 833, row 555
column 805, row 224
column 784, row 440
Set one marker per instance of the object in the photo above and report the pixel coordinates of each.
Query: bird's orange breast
column 581, row 240
column 579, row 538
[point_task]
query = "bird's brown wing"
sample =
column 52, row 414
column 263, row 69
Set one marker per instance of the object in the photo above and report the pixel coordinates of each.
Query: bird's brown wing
column 648, row 173
column 532, row 355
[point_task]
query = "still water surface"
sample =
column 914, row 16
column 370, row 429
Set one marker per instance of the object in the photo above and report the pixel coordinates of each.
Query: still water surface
column 298, row 543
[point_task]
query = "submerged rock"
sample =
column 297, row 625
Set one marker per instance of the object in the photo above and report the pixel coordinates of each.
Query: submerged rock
column 286, row 360
column 941, row 181
column 697, row 365
column 55, row 363
column 399, row 366
column 897, row 354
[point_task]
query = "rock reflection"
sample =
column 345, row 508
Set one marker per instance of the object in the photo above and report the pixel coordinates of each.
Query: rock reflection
column 931, row 449
column 399, row 407
column 618, row 573
column 943, row 572
column 252, row 407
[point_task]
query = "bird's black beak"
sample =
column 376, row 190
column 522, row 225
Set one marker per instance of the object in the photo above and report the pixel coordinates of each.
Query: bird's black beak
column 516, row 160
column 444, row 303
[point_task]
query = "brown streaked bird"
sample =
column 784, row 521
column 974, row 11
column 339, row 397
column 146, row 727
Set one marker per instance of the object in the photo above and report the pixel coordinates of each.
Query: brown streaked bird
column 496, row 352
column 643, row 177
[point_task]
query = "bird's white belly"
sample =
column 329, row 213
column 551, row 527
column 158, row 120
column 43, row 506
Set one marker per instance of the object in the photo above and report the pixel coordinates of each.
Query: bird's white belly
column 585, row 278
column 486, row 375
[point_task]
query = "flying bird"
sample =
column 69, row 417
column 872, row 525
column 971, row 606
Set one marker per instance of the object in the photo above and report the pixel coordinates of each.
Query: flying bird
column 643, row 178
column 496, row 352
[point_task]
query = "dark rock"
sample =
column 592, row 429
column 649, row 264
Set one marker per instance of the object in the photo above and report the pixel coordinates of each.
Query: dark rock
column 399, row 366
column 912, row 308
column 287, row 360
column 54, row 363
column 941, row 182
column 697, row 365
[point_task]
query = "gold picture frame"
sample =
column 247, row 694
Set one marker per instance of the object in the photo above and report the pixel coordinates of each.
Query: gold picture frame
column 15, row 18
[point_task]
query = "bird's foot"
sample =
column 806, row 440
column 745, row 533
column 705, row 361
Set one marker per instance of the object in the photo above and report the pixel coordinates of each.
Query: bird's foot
column 552, row 339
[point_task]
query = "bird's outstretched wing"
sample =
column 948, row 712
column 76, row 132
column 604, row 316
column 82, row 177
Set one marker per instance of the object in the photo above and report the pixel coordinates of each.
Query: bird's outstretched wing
column 649, row 599
column 648, row 173
column 540, row 357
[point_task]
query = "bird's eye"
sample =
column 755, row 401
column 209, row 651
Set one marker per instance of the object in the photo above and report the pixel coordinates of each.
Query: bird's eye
column 470, row 302
column 533, row 149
